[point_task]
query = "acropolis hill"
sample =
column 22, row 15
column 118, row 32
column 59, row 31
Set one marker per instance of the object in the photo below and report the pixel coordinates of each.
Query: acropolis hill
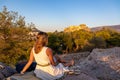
column 76, row 28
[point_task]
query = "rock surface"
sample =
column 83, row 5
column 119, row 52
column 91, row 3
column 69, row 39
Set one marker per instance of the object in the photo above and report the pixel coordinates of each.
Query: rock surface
column 27, row 76
column 103, row 64
column 100, row 64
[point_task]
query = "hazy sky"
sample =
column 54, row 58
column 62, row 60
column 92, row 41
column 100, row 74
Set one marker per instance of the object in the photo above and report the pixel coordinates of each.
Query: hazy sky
column 51, row 15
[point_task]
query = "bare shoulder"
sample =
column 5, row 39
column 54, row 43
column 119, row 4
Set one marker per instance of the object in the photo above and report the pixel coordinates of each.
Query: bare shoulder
column 49, row 51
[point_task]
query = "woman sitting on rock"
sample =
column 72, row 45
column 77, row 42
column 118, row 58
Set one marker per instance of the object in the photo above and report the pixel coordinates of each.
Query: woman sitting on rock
column 48, row 67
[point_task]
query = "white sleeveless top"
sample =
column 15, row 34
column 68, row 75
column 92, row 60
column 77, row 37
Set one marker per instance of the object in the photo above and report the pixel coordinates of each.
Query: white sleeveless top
column 48, row 72
column 41, row 58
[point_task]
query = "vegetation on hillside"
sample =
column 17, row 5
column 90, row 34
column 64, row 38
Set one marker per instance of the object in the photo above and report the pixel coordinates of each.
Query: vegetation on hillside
column 14, row 39
column 16, row 43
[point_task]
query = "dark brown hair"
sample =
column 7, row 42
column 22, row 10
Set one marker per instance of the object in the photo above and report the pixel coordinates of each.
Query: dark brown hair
column 42, row 40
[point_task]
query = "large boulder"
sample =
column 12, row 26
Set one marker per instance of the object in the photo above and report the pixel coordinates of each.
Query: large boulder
column 6, row 71
column 104, row 64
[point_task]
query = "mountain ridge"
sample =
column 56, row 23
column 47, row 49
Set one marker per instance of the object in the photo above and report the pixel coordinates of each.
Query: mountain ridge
column 115, row 27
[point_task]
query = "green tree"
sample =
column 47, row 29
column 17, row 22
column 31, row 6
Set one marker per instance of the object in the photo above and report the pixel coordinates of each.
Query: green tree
column 54, row 41
column 68, row 42
column 14, row 38
column 81, row 38
column 114, row 40
column 104, row 33
column 98, row 42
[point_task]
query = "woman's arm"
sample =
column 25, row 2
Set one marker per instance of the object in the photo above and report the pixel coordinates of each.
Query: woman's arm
column 28, row 63
column 60, row 60
column 50, row 55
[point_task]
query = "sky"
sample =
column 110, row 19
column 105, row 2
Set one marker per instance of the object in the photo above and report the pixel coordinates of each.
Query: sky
column 51, row 15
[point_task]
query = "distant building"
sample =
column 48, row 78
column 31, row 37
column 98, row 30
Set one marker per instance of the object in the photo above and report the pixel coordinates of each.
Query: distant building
column 33, row 33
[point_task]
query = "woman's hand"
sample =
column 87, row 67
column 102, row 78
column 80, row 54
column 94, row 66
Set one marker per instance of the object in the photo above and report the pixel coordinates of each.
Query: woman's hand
column 22, row 72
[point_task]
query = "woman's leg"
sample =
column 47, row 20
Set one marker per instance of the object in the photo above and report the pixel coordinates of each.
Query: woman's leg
column 64, row 62
column 71, row 63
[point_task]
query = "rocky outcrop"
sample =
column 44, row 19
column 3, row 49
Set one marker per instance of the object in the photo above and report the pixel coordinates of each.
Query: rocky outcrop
column 104, row 64
column 100, row 64
column 26, row 76
column 76, row 28
column 6, row 71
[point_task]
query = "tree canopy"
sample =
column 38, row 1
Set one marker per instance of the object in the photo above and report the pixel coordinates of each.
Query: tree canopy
column 16, row 43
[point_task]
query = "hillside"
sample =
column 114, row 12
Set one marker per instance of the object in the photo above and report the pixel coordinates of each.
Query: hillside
column 115, row 27
column 86, row 28
column 76, row 28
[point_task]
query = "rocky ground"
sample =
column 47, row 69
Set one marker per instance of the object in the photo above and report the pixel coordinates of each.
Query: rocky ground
column 100, row 64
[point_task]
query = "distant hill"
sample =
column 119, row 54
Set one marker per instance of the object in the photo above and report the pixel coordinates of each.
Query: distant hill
column 115, row 27
column 76, row 28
